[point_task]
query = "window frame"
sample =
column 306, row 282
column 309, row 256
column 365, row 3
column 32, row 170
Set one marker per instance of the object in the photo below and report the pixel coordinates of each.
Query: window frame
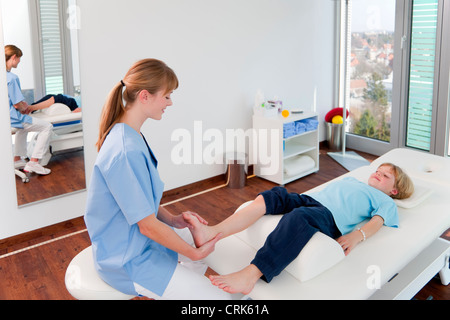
column 442, row 137
column 38, row 59
column 439, row 143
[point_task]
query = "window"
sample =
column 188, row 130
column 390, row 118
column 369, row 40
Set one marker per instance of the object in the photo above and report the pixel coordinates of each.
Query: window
column 371, row 67
column 394, row 62
column 428, row 77
column 421, row 74
column 370, row 64
column 56, row 47
column 51, row 46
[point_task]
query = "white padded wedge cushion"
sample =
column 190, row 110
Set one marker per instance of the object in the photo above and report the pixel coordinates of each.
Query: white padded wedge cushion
column 319, row 254
column 58, row 113
column 56, row 109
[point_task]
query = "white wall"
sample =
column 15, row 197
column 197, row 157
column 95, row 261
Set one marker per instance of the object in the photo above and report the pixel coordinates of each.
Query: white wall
column 16, row 26
column 222, row 52
column 14, row 220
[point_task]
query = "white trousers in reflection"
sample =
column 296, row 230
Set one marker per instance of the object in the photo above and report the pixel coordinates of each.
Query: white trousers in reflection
column 188, row 281
column 44, row 129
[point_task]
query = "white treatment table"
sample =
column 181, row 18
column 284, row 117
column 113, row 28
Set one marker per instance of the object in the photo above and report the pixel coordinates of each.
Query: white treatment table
column 393, row 264
column 67, row 130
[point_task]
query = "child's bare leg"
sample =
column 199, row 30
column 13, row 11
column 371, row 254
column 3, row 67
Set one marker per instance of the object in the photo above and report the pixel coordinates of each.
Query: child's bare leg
column 239, row 282
column 233, row 224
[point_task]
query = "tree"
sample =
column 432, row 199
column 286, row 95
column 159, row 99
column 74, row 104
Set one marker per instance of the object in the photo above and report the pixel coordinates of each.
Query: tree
column 376, row 97
column 376, row 91
column 366, row 125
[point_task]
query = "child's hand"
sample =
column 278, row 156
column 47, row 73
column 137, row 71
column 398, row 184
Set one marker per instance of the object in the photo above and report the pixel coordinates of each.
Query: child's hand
column 349, row 241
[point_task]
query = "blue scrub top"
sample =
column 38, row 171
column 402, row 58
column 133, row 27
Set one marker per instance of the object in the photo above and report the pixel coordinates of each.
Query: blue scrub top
column 15, row 96
column 126, row 188
column 352, row 201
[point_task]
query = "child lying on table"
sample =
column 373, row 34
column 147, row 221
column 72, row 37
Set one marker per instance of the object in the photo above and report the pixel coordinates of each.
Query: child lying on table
column 334, row 211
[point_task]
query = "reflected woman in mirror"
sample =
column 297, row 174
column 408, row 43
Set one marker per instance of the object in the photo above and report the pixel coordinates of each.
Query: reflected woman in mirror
column 23, row 123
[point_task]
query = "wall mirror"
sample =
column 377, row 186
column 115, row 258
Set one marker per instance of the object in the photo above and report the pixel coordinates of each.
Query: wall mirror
column 46, row 33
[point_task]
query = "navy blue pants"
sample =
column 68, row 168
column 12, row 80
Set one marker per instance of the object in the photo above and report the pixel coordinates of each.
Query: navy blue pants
column 59, row 98
column 302, row 218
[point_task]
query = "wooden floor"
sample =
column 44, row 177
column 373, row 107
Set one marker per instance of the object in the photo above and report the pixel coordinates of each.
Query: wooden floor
column 33, row 265
column 67, row 176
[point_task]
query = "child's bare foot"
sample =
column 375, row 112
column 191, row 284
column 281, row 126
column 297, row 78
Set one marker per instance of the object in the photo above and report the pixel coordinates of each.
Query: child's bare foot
column 200, row 232
column 239, row 282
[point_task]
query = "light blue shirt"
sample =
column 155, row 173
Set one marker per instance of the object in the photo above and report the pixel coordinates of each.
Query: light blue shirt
column 15, row 96
column 352, row 201
column 126, row 188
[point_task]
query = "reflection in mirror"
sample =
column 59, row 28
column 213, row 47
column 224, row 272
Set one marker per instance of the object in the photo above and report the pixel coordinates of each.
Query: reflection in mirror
column 44, row 97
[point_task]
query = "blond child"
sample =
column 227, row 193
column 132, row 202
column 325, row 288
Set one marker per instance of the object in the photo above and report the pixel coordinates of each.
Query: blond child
column 334, row 211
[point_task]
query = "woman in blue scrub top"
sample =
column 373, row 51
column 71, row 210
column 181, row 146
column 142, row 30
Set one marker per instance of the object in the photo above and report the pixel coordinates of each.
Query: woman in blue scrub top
column 136, row 244
column 20, row 120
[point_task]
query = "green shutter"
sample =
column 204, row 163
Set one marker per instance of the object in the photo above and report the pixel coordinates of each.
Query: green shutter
column 421, row 79
column 51, row 46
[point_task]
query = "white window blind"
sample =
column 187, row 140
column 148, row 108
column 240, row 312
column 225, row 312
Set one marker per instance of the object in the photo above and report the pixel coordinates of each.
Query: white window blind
column 421, row 80
column 51, row 46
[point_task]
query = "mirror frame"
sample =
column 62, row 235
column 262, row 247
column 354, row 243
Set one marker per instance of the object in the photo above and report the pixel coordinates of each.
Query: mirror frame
column 67, row 20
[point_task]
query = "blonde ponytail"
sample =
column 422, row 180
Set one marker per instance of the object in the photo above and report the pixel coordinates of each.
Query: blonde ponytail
column 112, row 112
column 148, row 74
